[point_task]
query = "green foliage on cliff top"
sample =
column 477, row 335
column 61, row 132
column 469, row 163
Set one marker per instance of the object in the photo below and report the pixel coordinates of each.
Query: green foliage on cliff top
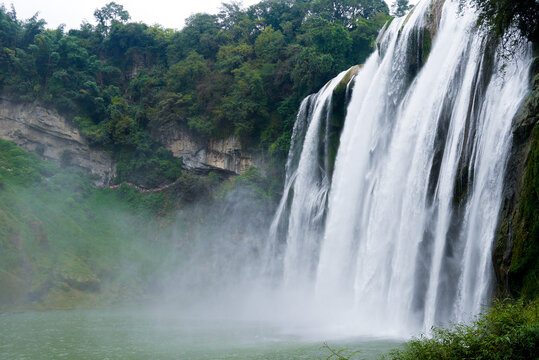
column 243, row 71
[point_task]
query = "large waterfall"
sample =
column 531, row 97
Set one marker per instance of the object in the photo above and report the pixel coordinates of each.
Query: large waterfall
column 399, row 229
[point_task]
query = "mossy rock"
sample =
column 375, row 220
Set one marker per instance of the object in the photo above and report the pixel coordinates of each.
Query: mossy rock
column 343, row 84
column 524, row 267
column 65, row 297
column 434, row 16
column 338, row 113
column 406, row 20
column 516, row 256
column 76, row 273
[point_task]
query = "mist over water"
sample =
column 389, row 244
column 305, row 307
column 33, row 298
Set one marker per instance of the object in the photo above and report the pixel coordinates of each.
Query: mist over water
column 394, row 235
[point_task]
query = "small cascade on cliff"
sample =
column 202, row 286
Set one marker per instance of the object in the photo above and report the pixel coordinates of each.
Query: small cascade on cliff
column 302, row 208
column 401, row 232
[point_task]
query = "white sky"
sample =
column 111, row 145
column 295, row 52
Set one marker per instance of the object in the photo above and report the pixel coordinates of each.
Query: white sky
column 169, row 13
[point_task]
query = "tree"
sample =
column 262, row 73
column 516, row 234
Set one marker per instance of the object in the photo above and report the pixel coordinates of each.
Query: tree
column 185, row 74
column 31, row 28
column 44, row 55
column 400, row 7
column 200, row 34
column 243, row 71
column 328, row 38
column 109, row 15
column 269, row 44
column 9, row 27
column 347, row 12
column 230, row 14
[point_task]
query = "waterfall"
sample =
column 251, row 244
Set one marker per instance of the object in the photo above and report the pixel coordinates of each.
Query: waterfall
column 401, row 232
column 306, row 186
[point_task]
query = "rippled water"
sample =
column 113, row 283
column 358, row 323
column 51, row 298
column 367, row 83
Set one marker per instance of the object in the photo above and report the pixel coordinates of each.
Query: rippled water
column 135, row 334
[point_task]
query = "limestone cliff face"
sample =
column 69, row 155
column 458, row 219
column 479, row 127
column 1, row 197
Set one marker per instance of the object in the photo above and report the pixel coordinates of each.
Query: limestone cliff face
column 41, row 130
column 227, row 154
column 200, row 156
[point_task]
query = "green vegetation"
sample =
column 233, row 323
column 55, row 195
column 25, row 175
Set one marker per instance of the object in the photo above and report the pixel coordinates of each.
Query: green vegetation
column 524, row 269
column 254, row 180
column 242, row 71
column 505, row 331
column 517, row 251
column 64, row 242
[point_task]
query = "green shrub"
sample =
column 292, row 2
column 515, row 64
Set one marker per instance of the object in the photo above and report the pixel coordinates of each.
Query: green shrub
column 508, row 330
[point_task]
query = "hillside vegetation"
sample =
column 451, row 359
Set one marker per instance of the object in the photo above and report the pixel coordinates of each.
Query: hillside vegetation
column 62, row 241
column 65, row 243
column 242, row 72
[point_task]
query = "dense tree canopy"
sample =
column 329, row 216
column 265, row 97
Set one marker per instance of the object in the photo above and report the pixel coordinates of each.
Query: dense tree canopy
column 242, row 71
column 400, row 7
column 109, row 15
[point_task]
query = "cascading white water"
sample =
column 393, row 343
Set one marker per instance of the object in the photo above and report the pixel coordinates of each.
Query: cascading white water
column 405, row 238
column 307, row 182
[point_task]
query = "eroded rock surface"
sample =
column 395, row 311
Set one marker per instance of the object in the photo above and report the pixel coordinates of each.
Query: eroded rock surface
column 43, row 131
column 222, row 155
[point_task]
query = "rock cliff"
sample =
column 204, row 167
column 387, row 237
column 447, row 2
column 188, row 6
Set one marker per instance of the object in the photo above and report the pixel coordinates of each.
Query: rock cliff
column 516, row 257
column 202, row 156
column 41, row 130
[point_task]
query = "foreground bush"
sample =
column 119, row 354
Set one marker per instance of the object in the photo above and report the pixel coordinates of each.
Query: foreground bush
column 506, row 331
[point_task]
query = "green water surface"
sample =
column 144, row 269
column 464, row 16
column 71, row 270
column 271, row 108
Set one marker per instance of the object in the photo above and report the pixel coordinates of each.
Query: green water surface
column 134, row 334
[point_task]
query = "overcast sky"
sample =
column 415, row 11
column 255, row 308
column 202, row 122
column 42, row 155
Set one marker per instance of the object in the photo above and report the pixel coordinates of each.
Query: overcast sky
column 169, row 13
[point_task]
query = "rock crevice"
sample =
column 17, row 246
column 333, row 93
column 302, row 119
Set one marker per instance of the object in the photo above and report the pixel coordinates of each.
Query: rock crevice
column 203, row 156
